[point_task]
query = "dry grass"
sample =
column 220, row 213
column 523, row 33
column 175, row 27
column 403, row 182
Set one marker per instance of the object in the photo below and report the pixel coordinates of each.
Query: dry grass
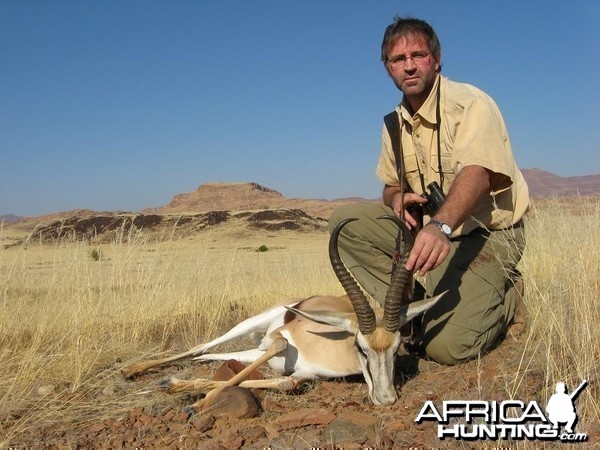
column 562, row 268
column 69, row 317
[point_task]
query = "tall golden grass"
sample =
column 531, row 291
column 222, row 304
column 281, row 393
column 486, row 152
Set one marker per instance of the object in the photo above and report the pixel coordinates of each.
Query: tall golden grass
column 71, row 312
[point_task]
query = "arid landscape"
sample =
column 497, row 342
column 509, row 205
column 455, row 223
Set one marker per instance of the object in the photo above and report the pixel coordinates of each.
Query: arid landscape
column 85, row 293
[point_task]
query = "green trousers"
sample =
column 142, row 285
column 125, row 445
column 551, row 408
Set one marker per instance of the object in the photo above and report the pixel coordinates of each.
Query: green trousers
column 479, row 275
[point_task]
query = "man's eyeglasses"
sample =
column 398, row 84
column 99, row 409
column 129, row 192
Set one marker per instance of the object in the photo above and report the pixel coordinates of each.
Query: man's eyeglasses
column 398, row 62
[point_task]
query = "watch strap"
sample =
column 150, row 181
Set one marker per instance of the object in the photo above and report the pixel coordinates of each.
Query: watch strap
column 443, row 227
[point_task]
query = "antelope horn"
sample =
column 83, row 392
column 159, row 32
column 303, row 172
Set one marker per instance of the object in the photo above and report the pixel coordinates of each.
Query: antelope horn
column 401, row 276
column 364, row 313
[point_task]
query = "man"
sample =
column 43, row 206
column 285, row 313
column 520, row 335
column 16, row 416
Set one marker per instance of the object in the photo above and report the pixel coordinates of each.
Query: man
column 561, row 409
column 453, row 134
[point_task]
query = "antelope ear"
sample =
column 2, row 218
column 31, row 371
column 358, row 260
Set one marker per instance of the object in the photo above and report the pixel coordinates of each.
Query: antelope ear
column 412, row 310
column 345, row 321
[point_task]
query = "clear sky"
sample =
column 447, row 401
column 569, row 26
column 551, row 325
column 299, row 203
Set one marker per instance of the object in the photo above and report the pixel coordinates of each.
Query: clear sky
column 119, row 105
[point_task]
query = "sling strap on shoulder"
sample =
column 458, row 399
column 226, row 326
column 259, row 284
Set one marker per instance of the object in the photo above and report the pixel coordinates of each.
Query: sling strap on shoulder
column 392, row 123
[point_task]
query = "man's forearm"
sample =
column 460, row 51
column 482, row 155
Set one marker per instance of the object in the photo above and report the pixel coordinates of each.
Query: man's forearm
column 470, row 185
column 388, row 194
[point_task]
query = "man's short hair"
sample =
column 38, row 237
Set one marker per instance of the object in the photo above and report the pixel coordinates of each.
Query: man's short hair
column 409, row 25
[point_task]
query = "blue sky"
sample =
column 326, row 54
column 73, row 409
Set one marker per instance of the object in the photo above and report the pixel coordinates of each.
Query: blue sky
column 119, row 105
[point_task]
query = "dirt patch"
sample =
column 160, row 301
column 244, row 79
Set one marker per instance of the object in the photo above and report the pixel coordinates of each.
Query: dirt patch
column 278, row 214
column 216, row 217
column 278, row 226
column 93, row 227
column 283, row 219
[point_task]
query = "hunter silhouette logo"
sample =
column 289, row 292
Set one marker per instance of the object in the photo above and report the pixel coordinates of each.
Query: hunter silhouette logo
column 561, row 406
column 508, row 419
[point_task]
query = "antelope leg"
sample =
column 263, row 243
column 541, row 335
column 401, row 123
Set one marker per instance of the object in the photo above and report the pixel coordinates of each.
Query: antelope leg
column 274, row 349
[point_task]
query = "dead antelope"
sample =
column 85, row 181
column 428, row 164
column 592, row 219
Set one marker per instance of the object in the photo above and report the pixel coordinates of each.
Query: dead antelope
column 318, row 337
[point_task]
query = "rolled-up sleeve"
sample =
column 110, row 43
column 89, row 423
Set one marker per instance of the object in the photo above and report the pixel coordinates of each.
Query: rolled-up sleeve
column 481, row 139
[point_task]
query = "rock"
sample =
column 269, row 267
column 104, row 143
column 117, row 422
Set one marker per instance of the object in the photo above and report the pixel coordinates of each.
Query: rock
column 145, row 419
column 234, row 444
column 230, row 368
column 235, row 401
column 396, row 425
column 304, row 417
column 254, row 433
column 352, row 426
column 135, row 412
column 46, row 389
column 95, row 429
column 203, row 423
column 181, row 416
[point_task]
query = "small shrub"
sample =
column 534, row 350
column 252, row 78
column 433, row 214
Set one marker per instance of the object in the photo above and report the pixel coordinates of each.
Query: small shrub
column 262, row 248
column 95, row 254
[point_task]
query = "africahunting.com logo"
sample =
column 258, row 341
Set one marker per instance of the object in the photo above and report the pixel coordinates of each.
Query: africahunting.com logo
column 509, row 419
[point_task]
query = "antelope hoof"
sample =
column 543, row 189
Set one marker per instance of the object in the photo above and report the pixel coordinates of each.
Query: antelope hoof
column 164, row 383
column 288, row 385
column 189, row 410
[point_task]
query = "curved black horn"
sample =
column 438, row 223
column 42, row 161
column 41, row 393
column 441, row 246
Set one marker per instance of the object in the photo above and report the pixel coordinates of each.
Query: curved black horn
column 401, row 276
column 362, row 309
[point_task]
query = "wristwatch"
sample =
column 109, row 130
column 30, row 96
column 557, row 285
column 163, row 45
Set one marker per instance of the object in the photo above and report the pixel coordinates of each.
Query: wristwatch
column 444, row 227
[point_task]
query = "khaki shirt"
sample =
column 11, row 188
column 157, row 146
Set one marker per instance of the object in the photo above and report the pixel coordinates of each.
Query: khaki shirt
column 473, row 132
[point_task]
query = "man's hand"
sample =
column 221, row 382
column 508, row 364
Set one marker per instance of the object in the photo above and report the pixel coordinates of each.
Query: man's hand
column 429, row 250
column 393, row 197
column 431, row 246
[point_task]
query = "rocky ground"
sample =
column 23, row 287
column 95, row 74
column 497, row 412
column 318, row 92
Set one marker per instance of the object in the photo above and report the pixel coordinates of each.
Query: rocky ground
column 331, row 414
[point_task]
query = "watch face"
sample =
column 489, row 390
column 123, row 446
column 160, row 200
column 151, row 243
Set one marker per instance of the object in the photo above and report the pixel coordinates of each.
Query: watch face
column 446, row 229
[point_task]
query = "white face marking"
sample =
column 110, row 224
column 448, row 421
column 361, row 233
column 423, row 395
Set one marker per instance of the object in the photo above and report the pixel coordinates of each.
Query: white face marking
column 378, row 369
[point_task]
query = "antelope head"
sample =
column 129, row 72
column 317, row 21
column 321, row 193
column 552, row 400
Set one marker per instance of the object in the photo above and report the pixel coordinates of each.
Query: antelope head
column 376, row 338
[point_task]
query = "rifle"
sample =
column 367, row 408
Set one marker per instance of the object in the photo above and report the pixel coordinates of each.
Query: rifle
column 577, row 391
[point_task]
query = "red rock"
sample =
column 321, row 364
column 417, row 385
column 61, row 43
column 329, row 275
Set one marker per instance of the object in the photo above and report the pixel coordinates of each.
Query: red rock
column 230, row 368
column 135, row 412
column 181, row 416
column 359, row 419
column 236, row 402
column 234, row 444
column 254, row 433
column 304, row 417
column 203, row 423
column 96, row 428
column 396, row 425
column 145, row 419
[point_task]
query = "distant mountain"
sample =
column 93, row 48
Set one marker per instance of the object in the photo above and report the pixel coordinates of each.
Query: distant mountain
column 243, row 197
column 545, row 184
column 9, row 218
column 252, row 196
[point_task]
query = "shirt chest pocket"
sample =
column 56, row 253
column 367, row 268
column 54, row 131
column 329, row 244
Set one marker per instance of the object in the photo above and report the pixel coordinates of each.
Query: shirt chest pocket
column 411, row 172
column 446, row 166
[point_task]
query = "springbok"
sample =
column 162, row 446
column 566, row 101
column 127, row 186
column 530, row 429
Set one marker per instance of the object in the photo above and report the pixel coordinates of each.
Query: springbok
column 318, row 337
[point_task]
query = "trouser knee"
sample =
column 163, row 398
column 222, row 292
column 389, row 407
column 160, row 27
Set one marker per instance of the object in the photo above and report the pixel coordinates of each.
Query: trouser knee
column 454, row 345
column 339, row 214
column 365, row 212
column 443, row 352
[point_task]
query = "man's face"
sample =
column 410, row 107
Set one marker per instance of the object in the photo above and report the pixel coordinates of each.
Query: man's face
column 413, row 68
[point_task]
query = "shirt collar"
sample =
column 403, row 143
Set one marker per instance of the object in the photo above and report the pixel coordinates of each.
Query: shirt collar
column 427, row 111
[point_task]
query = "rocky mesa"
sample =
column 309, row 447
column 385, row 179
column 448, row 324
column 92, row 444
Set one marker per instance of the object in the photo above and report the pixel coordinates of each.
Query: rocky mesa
column 243, row 197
